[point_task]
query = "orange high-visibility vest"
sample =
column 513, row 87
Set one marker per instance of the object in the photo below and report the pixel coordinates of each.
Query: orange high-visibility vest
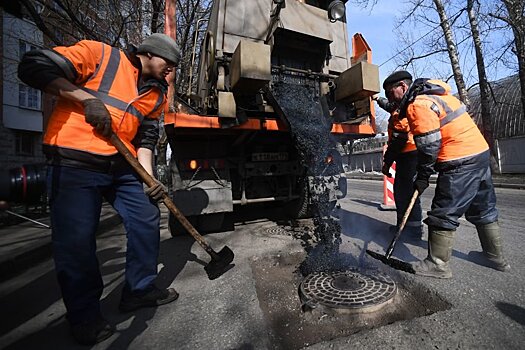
column 396, row 125
column 460, row 137
column 106, row 73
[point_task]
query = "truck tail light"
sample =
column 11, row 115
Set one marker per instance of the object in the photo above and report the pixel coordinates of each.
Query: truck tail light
column 203, row 164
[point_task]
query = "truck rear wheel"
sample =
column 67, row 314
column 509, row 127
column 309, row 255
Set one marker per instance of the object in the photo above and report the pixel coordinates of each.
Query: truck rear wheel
column 300, row 208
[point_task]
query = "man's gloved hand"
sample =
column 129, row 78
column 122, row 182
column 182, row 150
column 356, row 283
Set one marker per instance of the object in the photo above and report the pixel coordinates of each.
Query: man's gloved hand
column 156, row 191
column 386, row 169
column 98, row 116
column 420, row 185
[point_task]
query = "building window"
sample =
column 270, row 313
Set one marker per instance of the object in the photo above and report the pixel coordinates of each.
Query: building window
column 25, row 143
column 23, row 47
column 27, row 96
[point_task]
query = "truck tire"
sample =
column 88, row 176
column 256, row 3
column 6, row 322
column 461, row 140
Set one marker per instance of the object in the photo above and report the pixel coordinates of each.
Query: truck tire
column 300, row 208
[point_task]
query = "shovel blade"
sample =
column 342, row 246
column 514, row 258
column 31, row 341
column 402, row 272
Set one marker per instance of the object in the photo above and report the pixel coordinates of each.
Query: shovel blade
column 220, row 263
column 394, row 263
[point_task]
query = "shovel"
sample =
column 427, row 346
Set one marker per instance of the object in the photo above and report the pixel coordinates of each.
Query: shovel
column 221, row 261
column 386, row 259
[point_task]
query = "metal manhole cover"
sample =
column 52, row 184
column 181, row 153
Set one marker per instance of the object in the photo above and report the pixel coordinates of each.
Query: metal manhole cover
column 348, row 291
column 278, row 230
column 290, row 230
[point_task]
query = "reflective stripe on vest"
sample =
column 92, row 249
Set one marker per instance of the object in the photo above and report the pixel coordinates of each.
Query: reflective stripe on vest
column 111, row 71
column 108, row 78
column 118, row 104
column 450, row 114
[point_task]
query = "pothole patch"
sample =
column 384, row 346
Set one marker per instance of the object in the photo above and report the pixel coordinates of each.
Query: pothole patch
column 279, row 286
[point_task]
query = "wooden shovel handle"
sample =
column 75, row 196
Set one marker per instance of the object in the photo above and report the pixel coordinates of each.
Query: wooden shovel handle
column 390, row 249
column 150, row 181
column 409, row 210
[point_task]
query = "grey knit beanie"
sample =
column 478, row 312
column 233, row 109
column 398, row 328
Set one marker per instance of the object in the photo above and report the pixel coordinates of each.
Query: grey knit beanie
column 161, row 45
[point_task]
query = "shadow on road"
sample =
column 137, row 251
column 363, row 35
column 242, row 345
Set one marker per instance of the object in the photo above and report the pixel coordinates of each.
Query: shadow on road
column 515, row 312
column 258, row 212
column 368, row 230
column 30, row 308
column 368, row 203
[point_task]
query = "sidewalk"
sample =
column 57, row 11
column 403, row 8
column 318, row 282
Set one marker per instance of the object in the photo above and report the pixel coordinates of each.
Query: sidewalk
column 513, row 181
column 25, row 244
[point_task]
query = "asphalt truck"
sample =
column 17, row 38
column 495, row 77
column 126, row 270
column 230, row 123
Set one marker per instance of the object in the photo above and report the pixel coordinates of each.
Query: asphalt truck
column 276, row 90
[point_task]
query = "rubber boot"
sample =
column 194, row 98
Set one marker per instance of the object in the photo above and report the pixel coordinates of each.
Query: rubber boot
column 492, row 255
column 439, row 252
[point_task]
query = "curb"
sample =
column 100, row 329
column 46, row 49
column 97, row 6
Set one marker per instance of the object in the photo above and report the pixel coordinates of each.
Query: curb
column 374, row 177
column 23, row 259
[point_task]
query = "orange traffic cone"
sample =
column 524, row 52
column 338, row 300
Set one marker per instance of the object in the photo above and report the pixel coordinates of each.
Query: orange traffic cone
column 389, row 202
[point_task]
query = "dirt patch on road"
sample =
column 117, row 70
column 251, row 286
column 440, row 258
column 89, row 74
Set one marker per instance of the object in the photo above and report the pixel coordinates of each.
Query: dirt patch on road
column 277, row 283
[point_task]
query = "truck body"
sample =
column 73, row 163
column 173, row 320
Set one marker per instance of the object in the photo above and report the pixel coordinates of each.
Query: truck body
column 277, row 89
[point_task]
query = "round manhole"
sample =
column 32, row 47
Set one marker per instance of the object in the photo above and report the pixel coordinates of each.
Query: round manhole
column 278, row 230
column 348, row 291
column 290, row 230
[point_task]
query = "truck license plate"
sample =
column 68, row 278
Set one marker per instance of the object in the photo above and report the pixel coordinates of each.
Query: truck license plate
column 269, row 156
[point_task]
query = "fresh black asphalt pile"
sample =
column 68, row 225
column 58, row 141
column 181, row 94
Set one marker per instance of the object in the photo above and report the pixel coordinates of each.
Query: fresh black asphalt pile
column 311, row 131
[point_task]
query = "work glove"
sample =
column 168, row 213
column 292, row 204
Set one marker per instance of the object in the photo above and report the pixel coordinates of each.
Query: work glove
column 420, row 185
column 386, row 169
column 156, row 191
column 97, row 115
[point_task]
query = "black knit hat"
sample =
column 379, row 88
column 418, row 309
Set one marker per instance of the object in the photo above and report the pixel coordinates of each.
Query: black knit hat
column 161, row 45
column 396, row 77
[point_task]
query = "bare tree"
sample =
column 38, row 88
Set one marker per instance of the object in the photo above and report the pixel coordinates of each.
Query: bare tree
column 511, row 12
column 484, row 87
column 452, row 52
column 192, row 17
column 116, row 22
column 435, row 41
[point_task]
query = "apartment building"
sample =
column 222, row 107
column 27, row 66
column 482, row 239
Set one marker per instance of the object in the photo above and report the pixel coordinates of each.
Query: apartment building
column 21, row 116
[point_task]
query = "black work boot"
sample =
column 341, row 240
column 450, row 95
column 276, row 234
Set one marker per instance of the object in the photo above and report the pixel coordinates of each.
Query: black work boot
column 439, row 251
column 92, row 332
column 492, row 255
column 153, row 297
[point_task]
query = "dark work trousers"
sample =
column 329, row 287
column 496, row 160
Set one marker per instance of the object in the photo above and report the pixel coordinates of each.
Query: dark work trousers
column 464, row 187
column 406, row 164
column 75, row 197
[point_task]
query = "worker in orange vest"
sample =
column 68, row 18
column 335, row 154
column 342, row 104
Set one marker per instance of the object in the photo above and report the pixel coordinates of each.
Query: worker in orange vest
column 102, row 90
column 449, row 142
column 402, row 150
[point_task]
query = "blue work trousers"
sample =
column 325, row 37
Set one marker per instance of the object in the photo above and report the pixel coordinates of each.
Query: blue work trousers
column 75, row 197
column 464, row 187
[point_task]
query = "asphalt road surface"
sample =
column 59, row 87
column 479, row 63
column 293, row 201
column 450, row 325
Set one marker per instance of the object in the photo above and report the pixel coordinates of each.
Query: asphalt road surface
column 255, row 305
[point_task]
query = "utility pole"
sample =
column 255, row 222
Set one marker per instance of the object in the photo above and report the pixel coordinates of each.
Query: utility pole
column 170, row 28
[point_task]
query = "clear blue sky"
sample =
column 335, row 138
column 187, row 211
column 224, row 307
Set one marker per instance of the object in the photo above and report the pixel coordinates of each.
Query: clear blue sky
column 376, row 27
